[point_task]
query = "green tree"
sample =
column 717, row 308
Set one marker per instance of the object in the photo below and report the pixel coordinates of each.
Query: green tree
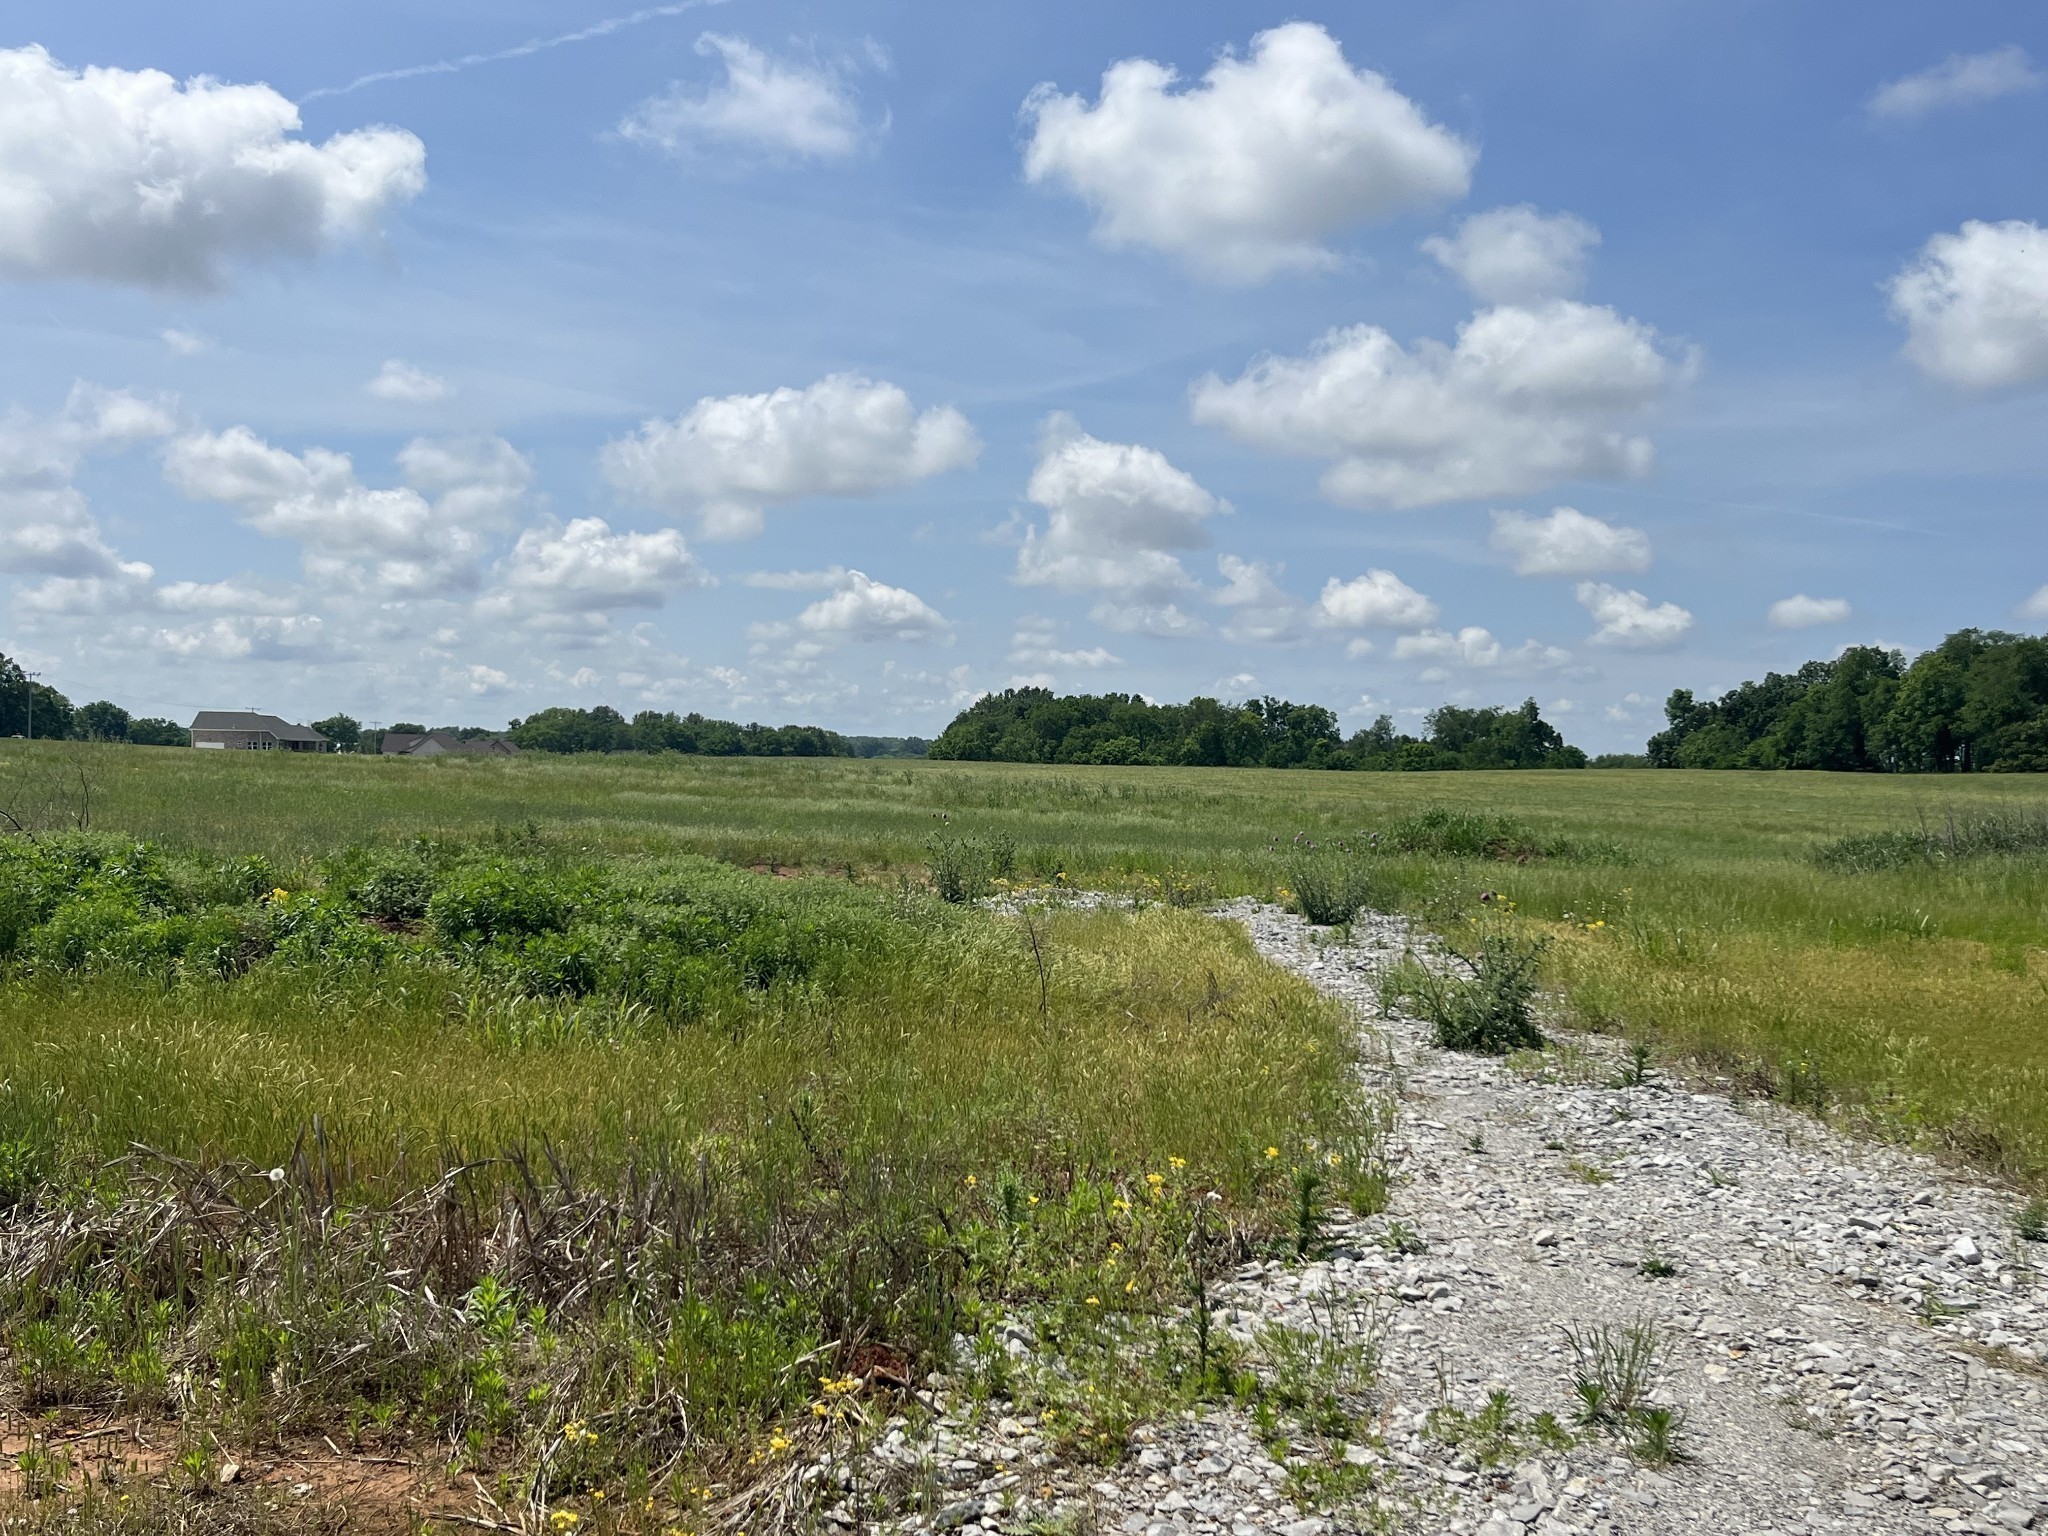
column 344, row 731
column 158, row 732
column 101, row 721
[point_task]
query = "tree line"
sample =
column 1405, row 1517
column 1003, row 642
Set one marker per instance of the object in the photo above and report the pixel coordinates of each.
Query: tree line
column 604, row 729
column 1976, row 703
column 29, row 707
column 1035, row 725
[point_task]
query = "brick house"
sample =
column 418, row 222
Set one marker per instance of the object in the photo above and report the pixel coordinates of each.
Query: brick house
column 243, row 730
column 438, row 743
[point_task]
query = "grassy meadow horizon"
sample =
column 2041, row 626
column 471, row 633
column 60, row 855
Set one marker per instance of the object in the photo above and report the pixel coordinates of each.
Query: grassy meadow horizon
column 1690, row 912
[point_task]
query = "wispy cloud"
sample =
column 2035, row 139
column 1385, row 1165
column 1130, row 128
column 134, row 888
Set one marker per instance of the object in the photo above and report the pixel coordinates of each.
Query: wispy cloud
column 1961, row 79
column 530, row 46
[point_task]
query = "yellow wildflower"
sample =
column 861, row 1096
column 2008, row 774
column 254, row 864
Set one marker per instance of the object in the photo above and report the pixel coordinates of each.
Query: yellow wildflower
column 1093, row 1302
column 1176, row 1163
column 972, row 1181
column 1272, row 1152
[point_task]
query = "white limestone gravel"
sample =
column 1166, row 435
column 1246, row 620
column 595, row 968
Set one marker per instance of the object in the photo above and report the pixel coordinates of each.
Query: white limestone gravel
column 1854, row 1335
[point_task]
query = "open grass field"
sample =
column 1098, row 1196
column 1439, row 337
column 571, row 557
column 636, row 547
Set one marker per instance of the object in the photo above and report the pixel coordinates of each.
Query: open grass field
column 476, row 1103
column 1917, row 995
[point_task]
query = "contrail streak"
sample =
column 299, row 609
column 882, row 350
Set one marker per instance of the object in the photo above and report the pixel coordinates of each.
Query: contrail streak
column 532, row 45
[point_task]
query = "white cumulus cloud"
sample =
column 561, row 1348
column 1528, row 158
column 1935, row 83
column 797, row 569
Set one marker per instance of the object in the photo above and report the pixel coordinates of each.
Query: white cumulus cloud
column 1162, row 621
column 1378, row 599
column 297, row 637
column 1975, row 305
column 229, row 595
column 1803, row 612
column 125, row 176
column 402, row 384
column 1628, row 620
column 587, row 567
column 1517, row 255
column 1960, row 80
column 2036, row 607
column 396, row 540
column 1475, row 649
column 1526, row 398
column 1245, row 174
column 1036, row 643
column 865, row 609
column 1568, row 543
column 46, row 525
column 1261, row 610
column 728, row 458
column 1117, row 513
column 778, row 107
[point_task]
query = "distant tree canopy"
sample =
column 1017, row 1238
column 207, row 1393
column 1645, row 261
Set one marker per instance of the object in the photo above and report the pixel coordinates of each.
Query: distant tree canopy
column 604, row 729
column 1978, row 702
column 344, row 731
column 1035, row 725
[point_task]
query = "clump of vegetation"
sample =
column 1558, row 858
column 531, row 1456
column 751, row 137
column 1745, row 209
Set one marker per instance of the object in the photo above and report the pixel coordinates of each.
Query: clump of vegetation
column 590, row 1167
column 1486, row 1009
column 1959, row 836
column 1496, row 1435
column 1330, row 884
column 1614, row 1373
column 1445, row 833
column 2031, row 1226
column 965, row 869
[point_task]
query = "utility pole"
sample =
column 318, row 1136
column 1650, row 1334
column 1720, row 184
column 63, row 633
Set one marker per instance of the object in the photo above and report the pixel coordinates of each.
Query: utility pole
column 30, row 685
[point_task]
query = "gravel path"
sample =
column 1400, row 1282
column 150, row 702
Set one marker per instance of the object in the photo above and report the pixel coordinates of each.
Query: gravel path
column 1849, row 1331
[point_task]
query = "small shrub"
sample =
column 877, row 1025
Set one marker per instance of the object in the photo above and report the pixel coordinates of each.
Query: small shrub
column 557, row 964
column 395, row 893
column 1441, row 833
column 1496, row 1435
column 1486, row 1012
column 1656, row 1437
column 965, row 869
column 1330, row 888
column 1613, row 1370
column 2033, row 1221
column 498, row 901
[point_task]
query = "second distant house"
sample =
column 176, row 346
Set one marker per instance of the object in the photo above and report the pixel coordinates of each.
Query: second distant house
column 441, row 743
column 246, row 730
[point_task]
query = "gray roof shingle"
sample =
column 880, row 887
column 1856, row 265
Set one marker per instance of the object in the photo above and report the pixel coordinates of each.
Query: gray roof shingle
column 249, row 720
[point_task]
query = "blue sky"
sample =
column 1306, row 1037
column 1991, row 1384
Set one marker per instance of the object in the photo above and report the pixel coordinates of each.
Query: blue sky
column 837, row 364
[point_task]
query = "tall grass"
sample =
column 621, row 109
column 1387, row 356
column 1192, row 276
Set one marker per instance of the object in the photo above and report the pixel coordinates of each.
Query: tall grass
column 1968, row 835
column 420, row 1187
column 1702, row 880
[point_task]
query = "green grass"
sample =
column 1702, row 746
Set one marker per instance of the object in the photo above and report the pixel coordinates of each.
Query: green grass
column 1912, row 994
column 941, row 1112
column 481, row 1142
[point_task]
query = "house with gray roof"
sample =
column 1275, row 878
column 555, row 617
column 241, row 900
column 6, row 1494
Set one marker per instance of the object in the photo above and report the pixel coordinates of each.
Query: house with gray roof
column 438, row 743
column 244, row 730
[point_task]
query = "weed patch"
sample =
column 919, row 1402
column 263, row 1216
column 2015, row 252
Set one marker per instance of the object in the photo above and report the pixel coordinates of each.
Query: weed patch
column 1486, row 1010
column 1330, row 886
column 1958, row 837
